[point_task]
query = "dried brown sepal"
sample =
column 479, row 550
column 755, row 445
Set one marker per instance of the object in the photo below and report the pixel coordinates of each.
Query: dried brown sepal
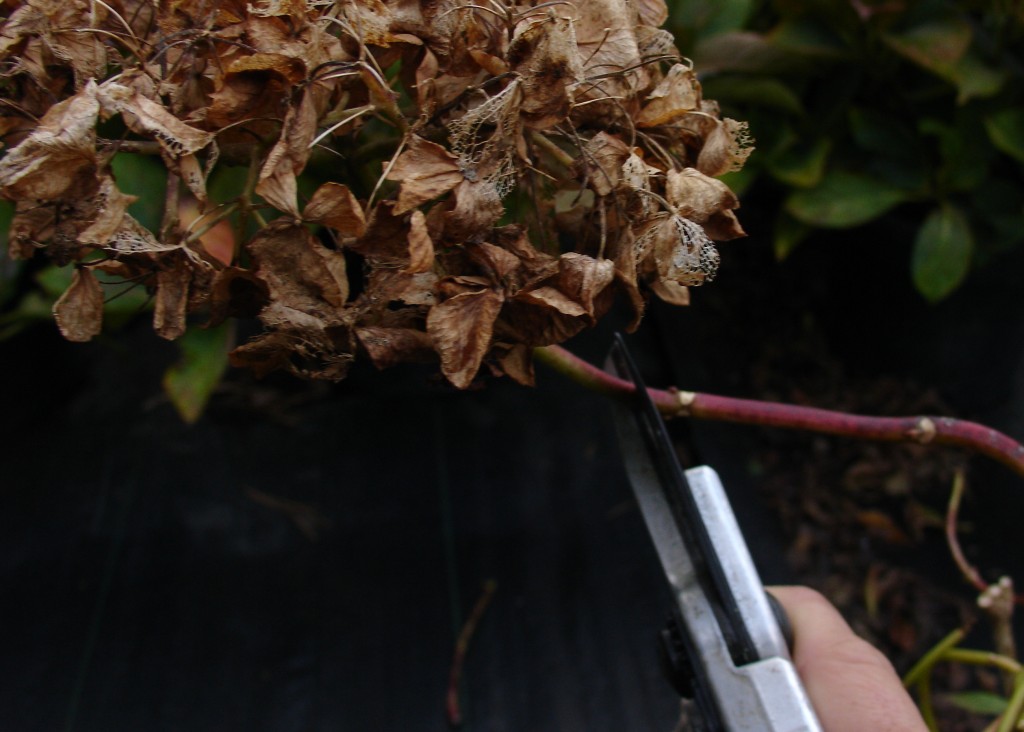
column 388, row 347
column 725, row 149
column 333, row 205
column 170, row 304
column 677, row 95
column 147, row 117
column 600, row 164
column 79, row 311
column 277, row 183
column 545, row 55
column 426, row 171
column 300, row 273
column 515, row 362
column 421, row 246
column 59, row 154
column 461, row 328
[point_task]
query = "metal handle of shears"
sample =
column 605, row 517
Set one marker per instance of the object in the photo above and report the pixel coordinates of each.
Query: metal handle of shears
column 734, row 652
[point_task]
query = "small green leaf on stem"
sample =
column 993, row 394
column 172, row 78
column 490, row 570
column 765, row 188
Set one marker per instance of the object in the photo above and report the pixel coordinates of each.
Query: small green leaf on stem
column 843, row 200
column 942, row 253
column 191, row 381
column 979, row 702
column 1006, row 130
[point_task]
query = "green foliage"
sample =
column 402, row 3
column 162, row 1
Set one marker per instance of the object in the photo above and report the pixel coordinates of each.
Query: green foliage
column 979, row 702
column 204, row 358
column 860, row 108
column 942, row 252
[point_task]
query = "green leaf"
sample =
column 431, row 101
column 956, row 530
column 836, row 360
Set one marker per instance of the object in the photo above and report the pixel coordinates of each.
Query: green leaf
column 692, row 20
column 806, row 37
column 974, row 78
column 53, row 280
column 204, row 358
column 979, row 702
column 710, row 17
column 966, row 151
column 745, row 53
column 935, row 45
column 762, row 91
column 1006, row 130
column 788, row 234
column 802, row 165
column 942, row 253
column 143, row 176
column 843, row 200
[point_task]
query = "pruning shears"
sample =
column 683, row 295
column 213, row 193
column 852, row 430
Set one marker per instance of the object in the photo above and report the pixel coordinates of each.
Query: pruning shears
column 725, row 646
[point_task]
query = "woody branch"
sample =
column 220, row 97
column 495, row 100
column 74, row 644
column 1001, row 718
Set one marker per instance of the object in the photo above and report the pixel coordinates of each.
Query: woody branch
column 675, row 403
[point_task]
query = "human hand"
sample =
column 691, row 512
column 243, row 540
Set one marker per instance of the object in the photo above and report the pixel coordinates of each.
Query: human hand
column 852, row 686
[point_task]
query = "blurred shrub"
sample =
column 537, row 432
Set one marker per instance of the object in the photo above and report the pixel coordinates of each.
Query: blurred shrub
column 859, row 107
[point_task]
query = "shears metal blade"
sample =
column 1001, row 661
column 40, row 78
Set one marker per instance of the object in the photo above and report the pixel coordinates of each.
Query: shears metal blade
column 725, row 647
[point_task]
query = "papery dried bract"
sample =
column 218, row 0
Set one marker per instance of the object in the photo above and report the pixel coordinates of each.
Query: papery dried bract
column 390, row 346
column 461, row 329
column 696, row 196
column 426, row 171
column 170, row 304
column 545, row 55
column 79, row 311
column 145, row 116
column 334, row 205
column 726, row 148
column 300, row 273
column 60, row 154
column 277, row 183
column 601, row 161
column 677, row 95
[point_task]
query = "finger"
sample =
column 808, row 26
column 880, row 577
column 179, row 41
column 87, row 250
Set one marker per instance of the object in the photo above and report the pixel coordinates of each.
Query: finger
column 852, row 686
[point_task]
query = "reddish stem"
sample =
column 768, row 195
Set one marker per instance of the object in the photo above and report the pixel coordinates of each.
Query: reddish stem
column 674, row 403
column 452, row 705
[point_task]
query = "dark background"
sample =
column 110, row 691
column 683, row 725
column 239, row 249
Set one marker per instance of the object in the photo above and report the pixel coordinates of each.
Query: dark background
column 148, row 583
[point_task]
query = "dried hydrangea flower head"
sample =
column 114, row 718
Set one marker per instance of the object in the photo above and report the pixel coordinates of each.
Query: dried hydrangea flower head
column 487, row 177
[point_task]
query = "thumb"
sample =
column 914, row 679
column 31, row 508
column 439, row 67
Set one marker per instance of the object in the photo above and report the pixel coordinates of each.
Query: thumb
column 852, row 686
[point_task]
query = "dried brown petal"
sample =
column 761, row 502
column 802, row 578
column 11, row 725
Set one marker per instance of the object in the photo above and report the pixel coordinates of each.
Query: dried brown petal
column 461, row 329
column 514, row 361
column 236, row 293
column 499, row 263
column 426, row 170
column 600, row 165
column 671, row 292
column 679, row 250
column 652, row 12
column 696, row 196
column 626, row 276
column 477, row 208
column 300, row 272
column 584, row 278
column 421, row 246
column 675, row 96
column 145, row 116
column 59, row 154
column 606, row 38
column 110, row 207
column 545, row 55
column 390, row 346
column 334, row 205
column 79, row 311
column 726, row 148
column 171, row 300
column 288, row 157
column 723, row 226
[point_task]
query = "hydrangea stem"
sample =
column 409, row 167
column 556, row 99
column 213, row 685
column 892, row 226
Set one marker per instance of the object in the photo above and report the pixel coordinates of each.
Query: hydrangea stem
column 675, row 403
